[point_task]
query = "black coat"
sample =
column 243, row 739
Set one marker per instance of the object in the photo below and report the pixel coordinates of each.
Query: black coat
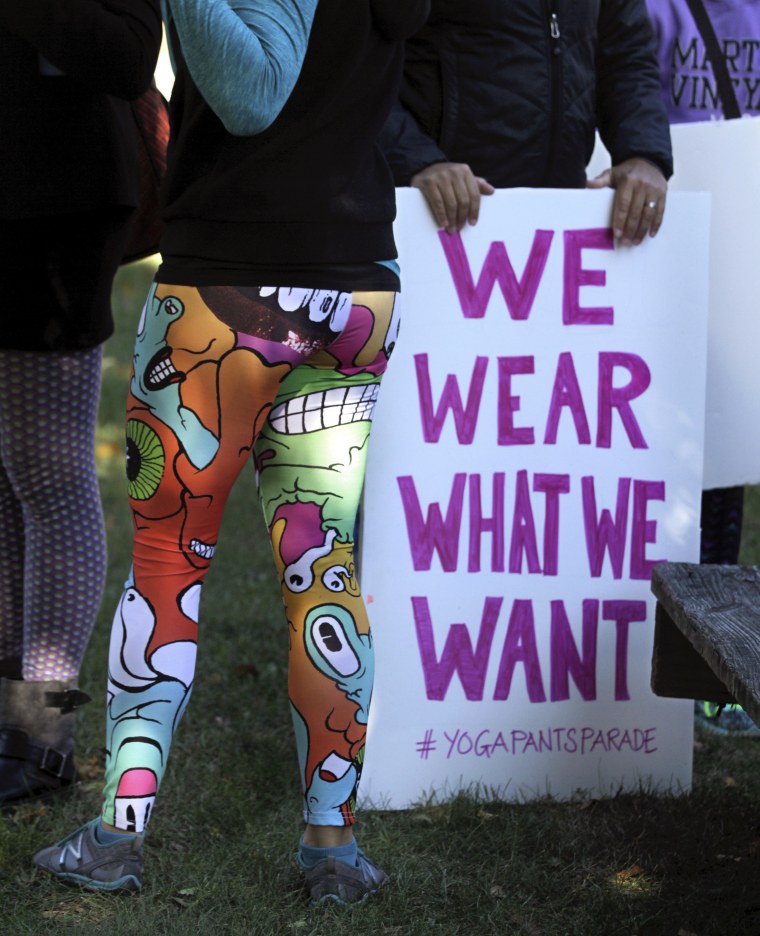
column 516, row 89
column 67, row 70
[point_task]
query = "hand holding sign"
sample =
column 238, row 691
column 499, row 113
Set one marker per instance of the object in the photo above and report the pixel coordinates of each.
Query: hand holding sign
column 640, row 192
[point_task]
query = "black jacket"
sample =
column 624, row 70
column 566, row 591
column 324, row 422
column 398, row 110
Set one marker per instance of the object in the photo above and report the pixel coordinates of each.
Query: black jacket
column 516, row 90
column 67, row 70
column 312, row 188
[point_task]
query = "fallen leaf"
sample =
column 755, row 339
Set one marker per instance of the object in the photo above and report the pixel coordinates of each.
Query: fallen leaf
column 246, row 669
column 29, row 811
column 90, row 769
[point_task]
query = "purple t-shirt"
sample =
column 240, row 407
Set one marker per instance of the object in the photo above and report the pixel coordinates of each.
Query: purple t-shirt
column 689, row 89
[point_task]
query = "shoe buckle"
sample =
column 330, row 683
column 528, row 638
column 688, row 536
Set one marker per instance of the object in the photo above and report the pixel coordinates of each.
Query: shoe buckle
column 67, row 701
column 53, row 762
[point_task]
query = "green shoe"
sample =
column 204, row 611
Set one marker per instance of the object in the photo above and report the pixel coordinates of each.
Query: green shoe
column 81, row 860
column 725, row 719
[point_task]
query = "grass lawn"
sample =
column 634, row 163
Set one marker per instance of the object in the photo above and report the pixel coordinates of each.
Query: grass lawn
column 219, row 856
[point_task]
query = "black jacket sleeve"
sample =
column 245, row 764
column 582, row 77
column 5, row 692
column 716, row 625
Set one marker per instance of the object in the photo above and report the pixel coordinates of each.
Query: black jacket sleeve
column 630, row 113
column 399, row 20
column 407, row 148
column 109, row 45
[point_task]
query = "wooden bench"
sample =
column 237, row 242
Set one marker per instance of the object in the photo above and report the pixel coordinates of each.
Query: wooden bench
column 707, row 634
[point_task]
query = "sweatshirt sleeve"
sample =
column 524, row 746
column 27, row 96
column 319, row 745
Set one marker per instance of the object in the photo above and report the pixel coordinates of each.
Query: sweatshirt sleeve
column 245, row 56
column 110, row 45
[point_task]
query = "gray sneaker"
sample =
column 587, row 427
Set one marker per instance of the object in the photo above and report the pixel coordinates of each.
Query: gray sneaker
column 342, row 883
column 81, row 859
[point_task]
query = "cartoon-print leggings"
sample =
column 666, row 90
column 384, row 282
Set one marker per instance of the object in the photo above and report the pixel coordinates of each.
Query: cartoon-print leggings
column 292, row 376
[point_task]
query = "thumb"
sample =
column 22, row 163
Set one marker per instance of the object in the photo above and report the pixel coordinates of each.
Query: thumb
column 484, row 187
column 603, row 180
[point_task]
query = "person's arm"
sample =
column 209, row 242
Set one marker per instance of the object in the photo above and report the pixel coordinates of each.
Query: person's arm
column 451, row 190
column 111, row 45
column 632, row 120
column 244, row 56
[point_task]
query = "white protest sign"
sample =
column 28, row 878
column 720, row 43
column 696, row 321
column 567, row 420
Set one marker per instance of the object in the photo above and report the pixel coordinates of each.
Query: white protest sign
column 537, row 447
column 720, row 157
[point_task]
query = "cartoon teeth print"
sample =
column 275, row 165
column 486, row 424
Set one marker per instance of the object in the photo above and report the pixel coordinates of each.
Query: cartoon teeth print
column 134, row 800
column 317, row 454
column 151, row 372
column 197, row 551
column 323, row 304
column 160, row 372
column 324, row 410
column 156, row 381
column 204, row 550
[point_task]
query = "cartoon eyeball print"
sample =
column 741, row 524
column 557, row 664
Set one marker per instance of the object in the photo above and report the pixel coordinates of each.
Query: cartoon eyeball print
column 146, row 460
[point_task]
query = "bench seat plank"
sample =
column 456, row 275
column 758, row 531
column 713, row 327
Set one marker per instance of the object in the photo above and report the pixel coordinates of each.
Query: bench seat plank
column 717, row 610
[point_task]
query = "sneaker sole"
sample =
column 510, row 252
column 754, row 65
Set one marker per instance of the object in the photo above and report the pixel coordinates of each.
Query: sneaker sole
column 335, row 899
column 751, row 733
column 128, row 884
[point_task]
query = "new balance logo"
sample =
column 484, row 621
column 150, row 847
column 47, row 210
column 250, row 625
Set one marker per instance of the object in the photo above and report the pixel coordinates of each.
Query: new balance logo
column 76, row 851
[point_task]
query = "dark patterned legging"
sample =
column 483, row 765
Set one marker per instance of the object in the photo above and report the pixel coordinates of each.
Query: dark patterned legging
column 52, row 540
column 292, row 376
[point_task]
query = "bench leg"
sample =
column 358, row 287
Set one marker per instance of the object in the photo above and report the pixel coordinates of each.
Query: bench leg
column 678, row 671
